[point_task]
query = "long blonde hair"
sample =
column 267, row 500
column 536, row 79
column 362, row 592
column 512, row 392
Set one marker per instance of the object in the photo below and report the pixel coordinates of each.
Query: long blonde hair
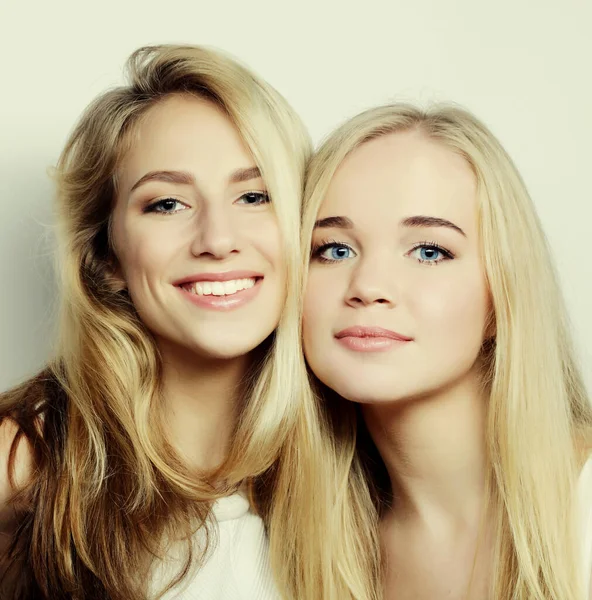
column 107, row 487
column 540, row 420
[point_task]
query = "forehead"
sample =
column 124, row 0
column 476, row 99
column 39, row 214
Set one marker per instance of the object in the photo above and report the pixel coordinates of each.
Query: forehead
column 184, row 132
column 402, row 174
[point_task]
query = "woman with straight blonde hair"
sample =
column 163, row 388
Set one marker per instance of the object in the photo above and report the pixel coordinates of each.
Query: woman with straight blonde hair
column 169, row 435
column 432, row 305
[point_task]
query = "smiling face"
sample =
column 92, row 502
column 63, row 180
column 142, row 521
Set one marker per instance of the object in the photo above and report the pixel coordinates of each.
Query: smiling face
column 194, row 232
column 396, row 303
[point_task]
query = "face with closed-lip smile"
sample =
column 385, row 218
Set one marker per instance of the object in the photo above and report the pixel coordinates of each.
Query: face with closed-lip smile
column 396, row 303
column 196, row 237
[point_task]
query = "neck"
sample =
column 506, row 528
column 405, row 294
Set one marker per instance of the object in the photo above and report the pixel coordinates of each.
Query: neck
column 434, row 450
column 201, row 403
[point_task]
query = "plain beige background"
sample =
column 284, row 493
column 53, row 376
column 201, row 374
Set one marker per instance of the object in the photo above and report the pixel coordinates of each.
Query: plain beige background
column 524, row 67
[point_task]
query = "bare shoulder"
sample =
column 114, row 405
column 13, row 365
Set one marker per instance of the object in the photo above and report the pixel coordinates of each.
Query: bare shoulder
column 23, row 467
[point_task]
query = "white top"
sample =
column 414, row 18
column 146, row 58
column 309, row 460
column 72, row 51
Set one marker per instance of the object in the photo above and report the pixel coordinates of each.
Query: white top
column 237, row 564
column 585, row 496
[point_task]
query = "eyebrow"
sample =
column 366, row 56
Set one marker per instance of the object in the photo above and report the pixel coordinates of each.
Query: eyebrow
column 181, row 177
column 241, row 175
column 415, row 221
column 425, row 221
column 186, row 178
column 338, row 222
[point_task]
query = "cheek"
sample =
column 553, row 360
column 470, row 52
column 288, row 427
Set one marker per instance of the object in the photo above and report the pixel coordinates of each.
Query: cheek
column 266, row 238
column 453, row 312
column 320, row 303
column 311, row 306
column 137, row 261
column 143, row 255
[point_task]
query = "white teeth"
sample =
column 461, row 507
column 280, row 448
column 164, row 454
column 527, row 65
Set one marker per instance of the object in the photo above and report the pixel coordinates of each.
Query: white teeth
column 229, row 287
column 220, row 288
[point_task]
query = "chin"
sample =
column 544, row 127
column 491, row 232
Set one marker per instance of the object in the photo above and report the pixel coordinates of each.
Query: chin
column 354, row 389
column 366, row 395
column 228, row 347
column 368, row 386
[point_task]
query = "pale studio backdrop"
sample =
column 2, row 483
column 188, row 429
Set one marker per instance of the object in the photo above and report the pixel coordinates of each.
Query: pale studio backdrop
column 524, row 67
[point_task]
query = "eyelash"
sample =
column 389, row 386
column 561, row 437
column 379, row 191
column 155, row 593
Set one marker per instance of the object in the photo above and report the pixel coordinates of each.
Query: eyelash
column 154, row 207
column 319, row 249
column 433, row 245
column 264, row 195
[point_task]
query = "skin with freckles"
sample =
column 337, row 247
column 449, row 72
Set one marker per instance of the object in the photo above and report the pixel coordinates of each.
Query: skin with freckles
column 216, row 218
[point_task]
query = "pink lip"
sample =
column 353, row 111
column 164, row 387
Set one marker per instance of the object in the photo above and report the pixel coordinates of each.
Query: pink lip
column 370, row 339
column 226, row 276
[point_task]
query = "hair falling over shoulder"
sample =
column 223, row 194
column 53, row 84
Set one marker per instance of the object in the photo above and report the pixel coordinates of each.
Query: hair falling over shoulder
column 107, row 491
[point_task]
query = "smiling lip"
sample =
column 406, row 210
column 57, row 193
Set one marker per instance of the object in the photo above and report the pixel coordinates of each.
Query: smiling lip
column 370, row 339
column 226, row 276
column 221, row 303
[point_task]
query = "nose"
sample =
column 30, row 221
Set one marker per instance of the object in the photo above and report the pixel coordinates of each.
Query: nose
column 372, row 283
column 216, row 234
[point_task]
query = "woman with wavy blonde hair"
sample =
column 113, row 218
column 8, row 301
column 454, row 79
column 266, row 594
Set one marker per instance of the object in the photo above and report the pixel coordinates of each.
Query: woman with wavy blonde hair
column 169, row 434
column 432, row 305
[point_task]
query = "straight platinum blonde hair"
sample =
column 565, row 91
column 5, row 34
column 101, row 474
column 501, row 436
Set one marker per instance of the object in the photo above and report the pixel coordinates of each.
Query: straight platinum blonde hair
column 107, row 487
column 540, row 420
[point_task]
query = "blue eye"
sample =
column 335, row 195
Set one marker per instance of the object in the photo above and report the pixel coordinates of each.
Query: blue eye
column 333, row 252
column 430, row 253
column 167, row 206
column 254, row 198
